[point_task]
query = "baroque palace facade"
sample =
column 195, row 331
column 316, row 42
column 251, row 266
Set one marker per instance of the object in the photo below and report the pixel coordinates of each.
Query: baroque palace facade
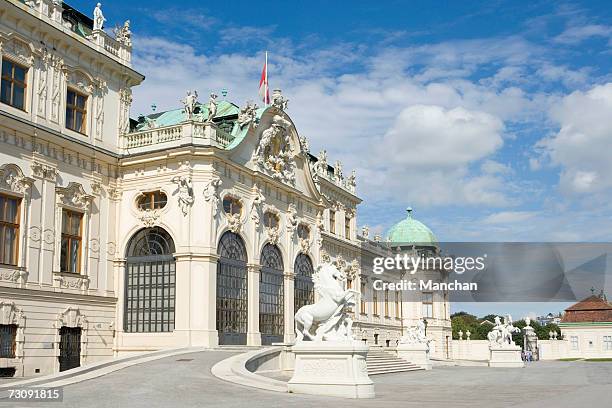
column 199, row 226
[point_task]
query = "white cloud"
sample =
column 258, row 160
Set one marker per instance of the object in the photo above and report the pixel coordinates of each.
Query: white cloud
column 579, row 33
column 583, row 144
column 509, row 217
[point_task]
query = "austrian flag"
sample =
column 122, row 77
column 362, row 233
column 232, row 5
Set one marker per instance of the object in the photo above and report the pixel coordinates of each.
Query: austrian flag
column 264, row 91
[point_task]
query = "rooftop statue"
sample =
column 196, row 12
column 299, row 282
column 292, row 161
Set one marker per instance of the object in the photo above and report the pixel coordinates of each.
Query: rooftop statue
column 278, row 100
column 329, row 314
column 190, row 102
column 212, row 107
column 248, row 115
column 501, row 334
column 123, row 34
column 98, row 17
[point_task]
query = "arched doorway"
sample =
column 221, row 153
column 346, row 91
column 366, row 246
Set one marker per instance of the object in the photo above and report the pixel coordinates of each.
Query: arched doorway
column 150, row 280
column 271, row 295
column 232, row 290
column 304, row 286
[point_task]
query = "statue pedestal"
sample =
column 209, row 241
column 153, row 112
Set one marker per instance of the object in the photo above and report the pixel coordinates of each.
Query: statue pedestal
column 507, row 356
column 417, row 353
column 335, row 369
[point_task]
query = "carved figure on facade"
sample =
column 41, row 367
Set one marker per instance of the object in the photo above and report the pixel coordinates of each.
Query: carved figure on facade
column 13, row 179
column 212, row 107
column 98, row 17
column 273, row 152
column 72, row 282
column 125, row 100
column 189, row 102
column 292, row 218
column 328, row 316
column 338, row 175
column 304, row 144
column 74, row 196
column 184, row 192
column 248, row 115
column 256, row 204
column 211, row 193
column 42, row 89
column 321, row 166
column 351, row 182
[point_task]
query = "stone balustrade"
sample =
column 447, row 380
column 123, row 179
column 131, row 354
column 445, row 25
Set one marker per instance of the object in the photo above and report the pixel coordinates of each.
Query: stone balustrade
column 197, row 133
column 112, row 46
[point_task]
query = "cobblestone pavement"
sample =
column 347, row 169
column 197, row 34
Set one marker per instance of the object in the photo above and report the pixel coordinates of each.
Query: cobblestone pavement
column 186, row 381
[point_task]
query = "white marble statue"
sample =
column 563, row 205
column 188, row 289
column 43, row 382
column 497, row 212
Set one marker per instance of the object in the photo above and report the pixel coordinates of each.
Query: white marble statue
column 211, row 193
column 328, row 314
column 278, row 100
column 98, row 17
column 273, row 153
column 501, row 334
column 530, row 337
column 124, row 34
column 212, row 107
column 415, row 334
column 248, row 115
column 190, row 102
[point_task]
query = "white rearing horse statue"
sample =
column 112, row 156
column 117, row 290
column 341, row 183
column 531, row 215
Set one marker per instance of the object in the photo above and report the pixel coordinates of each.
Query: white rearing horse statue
column 328, row 313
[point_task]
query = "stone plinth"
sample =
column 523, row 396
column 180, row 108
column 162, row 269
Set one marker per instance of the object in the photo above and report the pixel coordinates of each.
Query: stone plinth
column 417, row 353
column 507, row 356
column 336, row 369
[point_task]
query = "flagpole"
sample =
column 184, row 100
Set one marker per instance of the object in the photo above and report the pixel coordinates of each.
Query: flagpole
column 267, row 85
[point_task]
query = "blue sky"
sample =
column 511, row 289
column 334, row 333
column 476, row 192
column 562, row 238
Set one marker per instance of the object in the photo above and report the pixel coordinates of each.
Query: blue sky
column 492, row 119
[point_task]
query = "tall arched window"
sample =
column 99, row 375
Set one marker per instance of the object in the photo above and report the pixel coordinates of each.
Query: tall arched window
column 271, row 295
column 232, row 290
column 304, row 287
column 150, row 279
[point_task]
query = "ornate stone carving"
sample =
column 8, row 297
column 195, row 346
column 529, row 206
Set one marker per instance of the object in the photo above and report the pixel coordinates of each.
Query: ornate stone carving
column 234, row 222
column 125, row 101
column 365, row 231
column 58, row 65
column 71, row 317
column 304, row 144
column 19, row 50
column 292, row 218
column 96, row 187
column 78, row 282
column 351, row 182
column 98, row 18
column 278, row 100
column 338, row 175
column 44, row 171
column 12, row 179
column 212, row 107
column 42, row 89
column 100, row 91
column 185, row 192
column 415, row 335
column 321, row 165
column 189, row 102
column 211, row 193
column 325, row 258
column 94, row 245
column 149, row 218
column 74, row 196
column 123, row 34
column 248, row 115
column 273, row 153
column 17, row 276
column 13, row 315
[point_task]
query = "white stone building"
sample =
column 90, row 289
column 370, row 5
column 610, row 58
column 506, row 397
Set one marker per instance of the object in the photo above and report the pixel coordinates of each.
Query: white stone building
column 199, row 226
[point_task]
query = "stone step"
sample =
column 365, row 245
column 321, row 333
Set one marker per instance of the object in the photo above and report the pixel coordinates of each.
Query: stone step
column 381, row 362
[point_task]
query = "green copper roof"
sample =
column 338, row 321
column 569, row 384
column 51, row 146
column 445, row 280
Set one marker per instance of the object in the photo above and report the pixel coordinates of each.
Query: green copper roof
column 176, row 116
column 411, row 231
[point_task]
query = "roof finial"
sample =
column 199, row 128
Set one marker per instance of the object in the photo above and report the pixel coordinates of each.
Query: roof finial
column 409, row 209
column 592, row 290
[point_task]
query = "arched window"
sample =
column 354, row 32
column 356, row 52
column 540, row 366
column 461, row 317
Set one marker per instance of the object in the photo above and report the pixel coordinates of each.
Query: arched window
column 304, row 287
column 232, row 289
column 271, row 295
column 150, row 279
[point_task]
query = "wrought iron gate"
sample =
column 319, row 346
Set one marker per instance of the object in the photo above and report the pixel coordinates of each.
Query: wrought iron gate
column 70, row 348
column 271, row 296
column 232, row 290
column 304, row 287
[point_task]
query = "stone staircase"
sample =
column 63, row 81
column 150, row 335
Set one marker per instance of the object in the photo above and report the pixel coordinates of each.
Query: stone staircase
column 383, row 362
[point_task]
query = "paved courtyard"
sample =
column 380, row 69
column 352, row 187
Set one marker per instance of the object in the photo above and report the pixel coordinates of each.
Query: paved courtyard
column 174, row 382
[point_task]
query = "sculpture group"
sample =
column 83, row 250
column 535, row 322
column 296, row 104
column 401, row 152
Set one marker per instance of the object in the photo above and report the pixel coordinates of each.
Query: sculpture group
column 501, row 334
column 329, row 314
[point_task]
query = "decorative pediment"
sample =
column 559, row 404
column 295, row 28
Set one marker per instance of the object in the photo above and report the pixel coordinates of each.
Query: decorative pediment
column 10, row 314
column 71, row 317
column 78, row 282
column 12, row 179
column 17, row 49
column 80, row 80
column 274, row 154
column 73, row 196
